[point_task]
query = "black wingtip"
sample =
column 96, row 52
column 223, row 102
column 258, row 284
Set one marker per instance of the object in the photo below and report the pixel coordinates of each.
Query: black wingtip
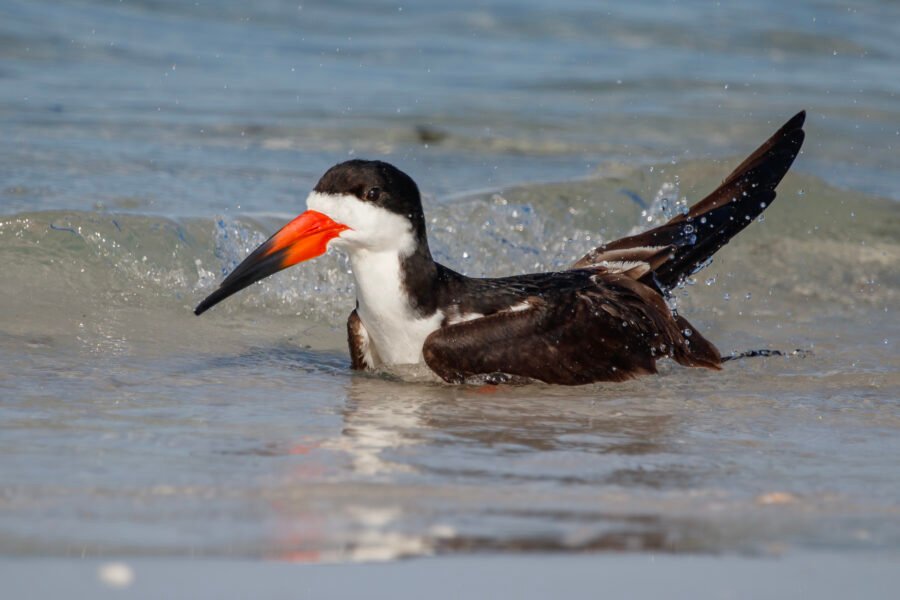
column 794, row 123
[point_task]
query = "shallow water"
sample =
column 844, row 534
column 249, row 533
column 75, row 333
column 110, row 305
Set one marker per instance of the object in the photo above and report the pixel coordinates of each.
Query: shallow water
column 152, row 145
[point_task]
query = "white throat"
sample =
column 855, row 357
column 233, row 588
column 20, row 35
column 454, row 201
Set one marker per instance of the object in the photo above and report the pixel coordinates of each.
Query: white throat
column 396, row 332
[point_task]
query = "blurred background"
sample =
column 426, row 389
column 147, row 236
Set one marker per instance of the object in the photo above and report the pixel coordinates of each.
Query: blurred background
column 191, row 108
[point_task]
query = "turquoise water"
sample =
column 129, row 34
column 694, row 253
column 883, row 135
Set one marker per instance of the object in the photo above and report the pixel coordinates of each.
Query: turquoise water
column 148, row 146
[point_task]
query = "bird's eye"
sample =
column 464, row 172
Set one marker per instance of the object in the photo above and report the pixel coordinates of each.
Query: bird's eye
column 373, row 194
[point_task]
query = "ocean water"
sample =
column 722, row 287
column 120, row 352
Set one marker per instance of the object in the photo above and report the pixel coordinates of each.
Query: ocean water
column 149, row 146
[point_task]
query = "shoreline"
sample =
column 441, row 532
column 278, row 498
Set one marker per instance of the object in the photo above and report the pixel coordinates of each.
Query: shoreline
column 812, row 574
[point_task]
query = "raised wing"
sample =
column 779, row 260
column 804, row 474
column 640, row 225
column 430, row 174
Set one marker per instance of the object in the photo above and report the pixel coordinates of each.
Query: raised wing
column 710, row 223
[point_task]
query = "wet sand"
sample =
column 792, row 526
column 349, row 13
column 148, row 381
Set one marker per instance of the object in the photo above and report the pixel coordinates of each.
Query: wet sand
column 822, row 576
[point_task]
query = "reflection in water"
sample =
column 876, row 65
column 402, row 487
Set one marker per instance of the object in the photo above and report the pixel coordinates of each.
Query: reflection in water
column 383, row 420
column 529, row 472
column 377, row 422
column 676, row 463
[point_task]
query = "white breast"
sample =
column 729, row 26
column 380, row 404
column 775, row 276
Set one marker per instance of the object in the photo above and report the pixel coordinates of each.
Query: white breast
column 376, row 240
column 396, row 333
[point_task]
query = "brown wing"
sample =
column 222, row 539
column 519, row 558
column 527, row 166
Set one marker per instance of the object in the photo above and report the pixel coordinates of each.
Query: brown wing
column 710, row 223
column 611, row 331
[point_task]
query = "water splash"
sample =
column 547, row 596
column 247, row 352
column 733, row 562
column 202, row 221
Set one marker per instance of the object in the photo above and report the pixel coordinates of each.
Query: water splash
column 134, row 261
column 666, row 204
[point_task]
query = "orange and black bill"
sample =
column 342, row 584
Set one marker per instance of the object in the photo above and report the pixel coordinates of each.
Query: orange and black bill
column 304, row 238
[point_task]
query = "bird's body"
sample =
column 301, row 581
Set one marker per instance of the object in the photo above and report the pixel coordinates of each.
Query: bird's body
column 605, row 319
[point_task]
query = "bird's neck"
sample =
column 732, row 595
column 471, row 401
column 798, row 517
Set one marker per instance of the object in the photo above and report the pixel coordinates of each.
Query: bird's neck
column 395, row 302
column 392, row 281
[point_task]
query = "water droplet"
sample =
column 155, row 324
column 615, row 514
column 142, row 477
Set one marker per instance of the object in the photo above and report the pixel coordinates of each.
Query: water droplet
column 688, row 332
column 726, row 296
column 116, row 575
column 711, row 280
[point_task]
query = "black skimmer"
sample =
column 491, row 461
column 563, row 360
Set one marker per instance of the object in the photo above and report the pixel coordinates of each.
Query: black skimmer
column 604, row 319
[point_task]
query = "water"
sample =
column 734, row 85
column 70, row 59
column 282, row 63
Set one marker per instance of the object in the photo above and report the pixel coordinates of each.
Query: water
column 150, row 145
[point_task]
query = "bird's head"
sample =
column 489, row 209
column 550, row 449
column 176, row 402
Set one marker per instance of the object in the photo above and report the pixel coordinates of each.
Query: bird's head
column 358, row 205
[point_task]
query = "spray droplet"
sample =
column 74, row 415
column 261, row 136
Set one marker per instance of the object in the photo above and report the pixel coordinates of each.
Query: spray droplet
column 116, row 575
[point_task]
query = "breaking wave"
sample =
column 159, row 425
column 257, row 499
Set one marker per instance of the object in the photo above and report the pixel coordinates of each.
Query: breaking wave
column 819, row 250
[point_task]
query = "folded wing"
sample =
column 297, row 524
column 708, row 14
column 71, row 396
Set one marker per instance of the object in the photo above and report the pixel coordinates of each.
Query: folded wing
column 612, row 329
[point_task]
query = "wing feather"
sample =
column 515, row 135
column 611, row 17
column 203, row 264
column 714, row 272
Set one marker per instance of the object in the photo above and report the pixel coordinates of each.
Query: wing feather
column 721, row 215
column 612, row 330
column 360, row 349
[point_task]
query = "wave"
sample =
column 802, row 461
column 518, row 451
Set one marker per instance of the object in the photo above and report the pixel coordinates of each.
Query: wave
column 819, row 251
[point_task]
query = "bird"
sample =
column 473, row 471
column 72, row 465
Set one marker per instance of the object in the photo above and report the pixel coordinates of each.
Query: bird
column 604, row 319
